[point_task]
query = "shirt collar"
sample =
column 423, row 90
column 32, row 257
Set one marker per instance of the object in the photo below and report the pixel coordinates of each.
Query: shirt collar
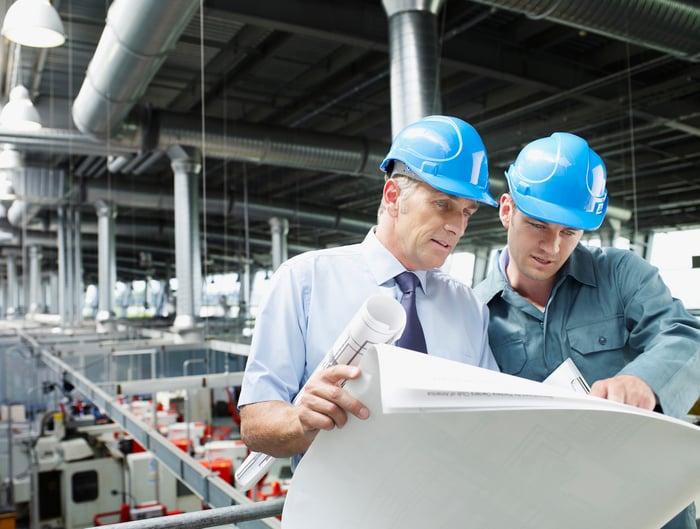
column 580, row 266
column 382, row 263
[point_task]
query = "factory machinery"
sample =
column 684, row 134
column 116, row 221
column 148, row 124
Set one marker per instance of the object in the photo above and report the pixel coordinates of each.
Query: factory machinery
column 99, row 429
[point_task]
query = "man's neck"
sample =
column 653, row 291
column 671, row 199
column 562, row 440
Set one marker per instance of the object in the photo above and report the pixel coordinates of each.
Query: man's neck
column 536, row 292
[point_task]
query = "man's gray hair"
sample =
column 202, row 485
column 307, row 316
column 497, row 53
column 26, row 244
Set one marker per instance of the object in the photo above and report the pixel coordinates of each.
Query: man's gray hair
column 404, row 177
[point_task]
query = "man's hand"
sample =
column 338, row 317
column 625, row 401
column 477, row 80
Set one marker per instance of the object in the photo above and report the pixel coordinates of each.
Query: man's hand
column 282, row 429
column 324, row 404
column 626, row 389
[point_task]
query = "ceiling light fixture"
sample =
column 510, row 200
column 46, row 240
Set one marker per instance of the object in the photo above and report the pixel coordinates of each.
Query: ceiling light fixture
column 33, row 23
column 10, row 159
column 20, row 113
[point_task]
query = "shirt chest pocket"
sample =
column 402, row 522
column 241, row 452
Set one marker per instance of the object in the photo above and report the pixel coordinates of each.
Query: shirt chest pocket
column 599, row 336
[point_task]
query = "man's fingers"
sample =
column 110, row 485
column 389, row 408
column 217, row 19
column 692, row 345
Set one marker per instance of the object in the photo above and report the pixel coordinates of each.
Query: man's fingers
column 326, row 403
column 627, row 389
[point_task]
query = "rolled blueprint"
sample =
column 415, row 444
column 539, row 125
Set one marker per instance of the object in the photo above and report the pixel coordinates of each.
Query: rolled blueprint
column 380, row 320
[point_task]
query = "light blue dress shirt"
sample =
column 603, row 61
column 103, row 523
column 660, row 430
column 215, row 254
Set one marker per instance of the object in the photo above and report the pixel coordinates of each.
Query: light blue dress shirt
column 612, row 314
column 314, row 295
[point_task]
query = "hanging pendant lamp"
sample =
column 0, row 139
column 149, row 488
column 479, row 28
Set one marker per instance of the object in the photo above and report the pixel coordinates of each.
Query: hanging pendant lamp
column 33, row 23
column 20, row 113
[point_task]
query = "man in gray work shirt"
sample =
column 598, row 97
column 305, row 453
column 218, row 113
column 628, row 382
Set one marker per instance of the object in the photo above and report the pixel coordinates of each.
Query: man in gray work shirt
column 550, row 298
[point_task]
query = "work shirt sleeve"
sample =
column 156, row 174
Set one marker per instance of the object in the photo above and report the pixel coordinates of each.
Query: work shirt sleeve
column 665, row 334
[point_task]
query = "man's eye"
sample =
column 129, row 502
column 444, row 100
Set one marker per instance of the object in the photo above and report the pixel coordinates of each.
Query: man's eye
column 441, row 203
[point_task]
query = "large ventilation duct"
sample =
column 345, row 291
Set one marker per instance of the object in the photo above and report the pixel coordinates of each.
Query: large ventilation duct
column 264, row 144
column 669, row 26
column 134, row 44
column 230, row 140
column 414, row 60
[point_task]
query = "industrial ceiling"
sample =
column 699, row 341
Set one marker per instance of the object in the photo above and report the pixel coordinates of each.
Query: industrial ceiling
column 289, row 103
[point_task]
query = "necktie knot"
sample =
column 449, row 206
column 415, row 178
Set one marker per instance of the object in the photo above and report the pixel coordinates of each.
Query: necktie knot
column 407, row 281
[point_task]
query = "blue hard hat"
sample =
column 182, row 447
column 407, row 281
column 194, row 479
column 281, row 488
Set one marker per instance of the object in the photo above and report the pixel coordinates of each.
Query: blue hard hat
column 445, row 152
column 560, row 179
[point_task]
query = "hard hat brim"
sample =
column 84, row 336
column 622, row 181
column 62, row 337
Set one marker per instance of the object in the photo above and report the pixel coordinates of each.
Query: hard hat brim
column 553, row 214
column 465, row 191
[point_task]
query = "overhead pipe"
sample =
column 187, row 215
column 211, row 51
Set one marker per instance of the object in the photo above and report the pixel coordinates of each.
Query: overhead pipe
column 156, row 200
column 231, row 140
column 670, row 27
column 263, row 144
column 136, row 40
column 414, row 60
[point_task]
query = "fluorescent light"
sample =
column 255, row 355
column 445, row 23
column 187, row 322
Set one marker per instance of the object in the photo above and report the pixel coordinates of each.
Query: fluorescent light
column 33, row 23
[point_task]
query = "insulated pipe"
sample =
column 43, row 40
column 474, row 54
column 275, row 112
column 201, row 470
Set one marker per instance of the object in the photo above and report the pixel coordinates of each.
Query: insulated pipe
column 186, row 165
column 279, row 228
column 106, row 260
column 244, row 301
column 35, row 256
column 136, row 40
column 264, row 144
column 69, row 265
column 671, row 27
column 12, row 288
column 150, row 200
column 231, row 140
column 62, row 244
column 77, row 282
column 414, row 60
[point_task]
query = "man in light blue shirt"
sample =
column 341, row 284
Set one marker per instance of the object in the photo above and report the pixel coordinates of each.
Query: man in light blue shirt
column 550, row 298
column 436, row 174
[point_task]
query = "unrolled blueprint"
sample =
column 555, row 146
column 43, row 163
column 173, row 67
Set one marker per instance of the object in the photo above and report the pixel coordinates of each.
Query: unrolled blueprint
column 451, row 445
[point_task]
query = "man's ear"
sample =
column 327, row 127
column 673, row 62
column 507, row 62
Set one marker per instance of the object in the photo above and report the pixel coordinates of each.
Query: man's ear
column 505, row 209
column 391, row 196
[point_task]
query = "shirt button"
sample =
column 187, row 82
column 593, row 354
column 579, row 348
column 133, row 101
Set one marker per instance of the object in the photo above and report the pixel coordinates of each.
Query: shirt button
column 602, row 340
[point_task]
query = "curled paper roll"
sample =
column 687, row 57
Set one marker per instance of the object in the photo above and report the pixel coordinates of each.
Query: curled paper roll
column 381, row 319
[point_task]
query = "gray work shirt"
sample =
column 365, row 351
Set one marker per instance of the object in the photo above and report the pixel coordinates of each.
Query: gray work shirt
column 612, row 314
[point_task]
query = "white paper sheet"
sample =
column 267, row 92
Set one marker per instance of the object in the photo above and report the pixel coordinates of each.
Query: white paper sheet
column 450, row 445
column 568, row 376
column 381, row 319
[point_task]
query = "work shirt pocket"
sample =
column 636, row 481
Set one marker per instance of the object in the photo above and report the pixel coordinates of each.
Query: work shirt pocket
column 510, row 355
column 599, row 347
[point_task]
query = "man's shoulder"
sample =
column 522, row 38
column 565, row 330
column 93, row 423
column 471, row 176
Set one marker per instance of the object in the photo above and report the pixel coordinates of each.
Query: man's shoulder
column 490, row 286
column 440, row 280
column 607, row 256
column 323, row 255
